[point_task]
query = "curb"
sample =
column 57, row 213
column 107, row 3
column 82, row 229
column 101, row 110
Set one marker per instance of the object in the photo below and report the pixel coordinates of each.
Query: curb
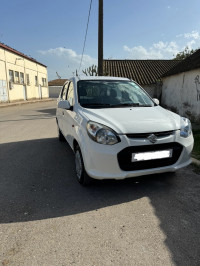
column 2, row 105
column 195, row 161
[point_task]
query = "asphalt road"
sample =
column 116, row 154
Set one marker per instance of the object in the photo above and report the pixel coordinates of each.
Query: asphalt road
column 47, row 218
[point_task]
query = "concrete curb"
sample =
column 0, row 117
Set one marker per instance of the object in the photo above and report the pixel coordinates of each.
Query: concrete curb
column 195, row 161
column 3, row 105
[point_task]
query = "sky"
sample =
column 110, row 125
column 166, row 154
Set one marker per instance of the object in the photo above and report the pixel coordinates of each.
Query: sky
column 53, row 32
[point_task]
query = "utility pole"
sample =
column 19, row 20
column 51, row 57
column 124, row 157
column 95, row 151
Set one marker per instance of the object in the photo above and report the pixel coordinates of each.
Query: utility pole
column 100, row 39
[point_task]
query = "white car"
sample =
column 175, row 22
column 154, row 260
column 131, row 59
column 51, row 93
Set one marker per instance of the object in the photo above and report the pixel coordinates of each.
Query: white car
column 118, row 131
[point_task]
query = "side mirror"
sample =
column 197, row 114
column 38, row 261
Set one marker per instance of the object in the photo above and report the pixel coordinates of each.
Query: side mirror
column 64, row 105
column 156, row 101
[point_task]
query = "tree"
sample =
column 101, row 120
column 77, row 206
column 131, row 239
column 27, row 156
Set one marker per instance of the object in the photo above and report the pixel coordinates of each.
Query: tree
column 91, row 71
column 185, row 53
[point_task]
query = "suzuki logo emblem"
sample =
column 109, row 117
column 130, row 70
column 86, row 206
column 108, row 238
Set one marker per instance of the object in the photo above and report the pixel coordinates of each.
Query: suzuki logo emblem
column 152, row 138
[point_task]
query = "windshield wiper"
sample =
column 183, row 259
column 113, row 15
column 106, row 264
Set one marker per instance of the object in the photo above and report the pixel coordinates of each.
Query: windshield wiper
column 96, row 105
column 108, row 105
column 131, row 105
column 125, row 105
column 145, row 105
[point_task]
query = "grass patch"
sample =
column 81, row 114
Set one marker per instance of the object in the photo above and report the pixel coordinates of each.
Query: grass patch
column 196, row 149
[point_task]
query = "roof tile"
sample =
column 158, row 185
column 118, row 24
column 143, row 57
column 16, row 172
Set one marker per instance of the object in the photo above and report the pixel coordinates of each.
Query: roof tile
column 143, row 72
column 190, row 63
column 57, row 82
column 12, row 50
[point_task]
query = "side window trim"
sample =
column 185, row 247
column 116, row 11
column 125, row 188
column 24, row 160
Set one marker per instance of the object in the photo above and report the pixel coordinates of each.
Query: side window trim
column 71, row 82
column 65, row 89
column 61, row 94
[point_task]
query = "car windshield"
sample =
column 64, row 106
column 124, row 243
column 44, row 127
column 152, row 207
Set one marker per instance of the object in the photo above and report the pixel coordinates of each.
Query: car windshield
column 112, row 94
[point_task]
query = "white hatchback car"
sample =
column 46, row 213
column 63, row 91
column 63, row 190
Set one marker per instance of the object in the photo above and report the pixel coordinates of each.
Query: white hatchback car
column 117, row 130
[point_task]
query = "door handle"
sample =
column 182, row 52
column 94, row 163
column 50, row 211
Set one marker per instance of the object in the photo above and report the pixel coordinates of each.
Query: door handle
column 62, row 112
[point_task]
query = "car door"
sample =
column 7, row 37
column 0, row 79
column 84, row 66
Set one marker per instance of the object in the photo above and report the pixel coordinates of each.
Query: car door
column 68, row 117
column 60, row 112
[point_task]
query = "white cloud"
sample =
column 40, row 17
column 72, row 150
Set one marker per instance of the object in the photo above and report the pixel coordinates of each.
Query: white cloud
column 191, row 35
column 164, row 50
column 160, row 45
column 65, row 61
column 140, row 52
column 190, row 44
column 158, row 50
column 70, row 54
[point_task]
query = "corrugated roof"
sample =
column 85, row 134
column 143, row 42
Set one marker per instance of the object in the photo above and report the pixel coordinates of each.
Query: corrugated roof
column 144, row 72
column 57, row 82
column 12, row 50
column 190, row 63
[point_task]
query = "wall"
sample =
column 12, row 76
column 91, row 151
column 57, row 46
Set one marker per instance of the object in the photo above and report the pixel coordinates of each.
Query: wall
column 181, row 93
column 54, row 91
column 16, row 92
column 154, row 90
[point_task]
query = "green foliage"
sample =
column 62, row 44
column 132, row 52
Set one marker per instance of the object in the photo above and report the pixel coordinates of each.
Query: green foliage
column 185, row 53
column 196, row 168
column 196, row 149
column 91, row 71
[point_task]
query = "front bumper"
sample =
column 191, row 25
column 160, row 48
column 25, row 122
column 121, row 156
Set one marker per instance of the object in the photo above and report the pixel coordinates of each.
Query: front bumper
column 102, row 161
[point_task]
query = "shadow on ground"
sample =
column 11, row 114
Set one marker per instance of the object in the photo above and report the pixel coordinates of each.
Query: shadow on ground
column 50, row 111
column 38, row 182
column 42, row 114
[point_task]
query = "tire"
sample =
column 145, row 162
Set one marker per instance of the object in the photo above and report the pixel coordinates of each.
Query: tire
column 60, row 135
column 81, row 174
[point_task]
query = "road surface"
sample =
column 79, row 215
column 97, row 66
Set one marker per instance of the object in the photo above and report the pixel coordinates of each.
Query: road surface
column 47, row 218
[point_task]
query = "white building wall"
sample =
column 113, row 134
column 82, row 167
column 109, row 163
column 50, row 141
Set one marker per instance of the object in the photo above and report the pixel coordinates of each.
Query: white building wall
column 17, row 92
column 54, row 91
column 181, row 92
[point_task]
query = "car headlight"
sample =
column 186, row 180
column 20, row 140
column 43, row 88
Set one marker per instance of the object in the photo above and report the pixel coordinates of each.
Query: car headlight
column 102, row 134
column 186, row 127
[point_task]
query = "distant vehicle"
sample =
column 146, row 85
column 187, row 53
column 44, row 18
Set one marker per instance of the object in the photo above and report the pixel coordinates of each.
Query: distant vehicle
column 117, row 130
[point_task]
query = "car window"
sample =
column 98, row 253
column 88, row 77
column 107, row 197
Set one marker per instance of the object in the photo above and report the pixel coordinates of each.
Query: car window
column 70, row 94
column 64, row 92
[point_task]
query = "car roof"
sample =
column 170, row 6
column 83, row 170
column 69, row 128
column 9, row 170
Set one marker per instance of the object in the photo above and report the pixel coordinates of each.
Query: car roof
column 98, row 78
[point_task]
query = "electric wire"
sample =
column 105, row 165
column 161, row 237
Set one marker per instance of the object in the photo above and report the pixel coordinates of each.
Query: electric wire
column 85, row 34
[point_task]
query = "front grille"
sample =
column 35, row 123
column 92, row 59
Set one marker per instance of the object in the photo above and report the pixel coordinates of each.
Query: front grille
column 124, row 156
column 145, row 135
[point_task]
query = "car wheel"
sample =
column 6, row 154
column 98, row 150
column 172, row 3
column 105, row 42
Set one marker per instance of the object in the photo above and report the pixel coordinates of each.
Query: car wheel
column 60, row 135
column 81, row 174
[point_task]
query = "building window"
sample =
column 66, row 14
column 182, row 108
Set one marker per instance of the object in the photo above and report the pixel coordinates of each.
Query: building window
column 11, row 76
column 16, row 77
column 27, row 79
column 36, row 80
column 21, row 78
column 44, row 82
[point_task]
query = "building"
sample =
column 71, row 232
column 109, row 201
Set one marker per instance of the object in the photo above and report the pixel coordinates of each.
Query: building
column 147, row 73
column 21, row 77
column 55, row 87
column 181, row 87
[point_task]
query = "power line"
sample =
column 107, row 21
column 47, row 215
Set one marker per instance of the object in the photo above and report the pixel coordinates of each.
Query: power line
column 85, row 34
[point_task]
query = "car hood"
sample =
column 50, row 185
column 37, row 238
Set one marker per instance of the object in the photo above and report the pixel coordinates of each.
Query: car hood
column 135, row 119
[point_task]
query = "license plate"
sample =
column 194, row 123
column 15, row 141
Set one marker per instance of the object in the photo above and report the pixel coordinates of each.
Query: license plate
column 145, row 156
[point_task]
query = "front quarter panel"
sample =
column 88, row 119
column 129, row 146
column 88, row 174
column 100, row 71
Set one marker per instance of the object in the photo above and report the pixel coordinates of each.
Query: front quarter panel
column 80, row 123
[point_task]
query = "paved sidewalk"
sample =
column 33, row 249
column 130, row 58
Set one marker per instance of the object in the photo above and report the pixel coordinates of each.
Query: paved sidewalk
column 26, row 102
